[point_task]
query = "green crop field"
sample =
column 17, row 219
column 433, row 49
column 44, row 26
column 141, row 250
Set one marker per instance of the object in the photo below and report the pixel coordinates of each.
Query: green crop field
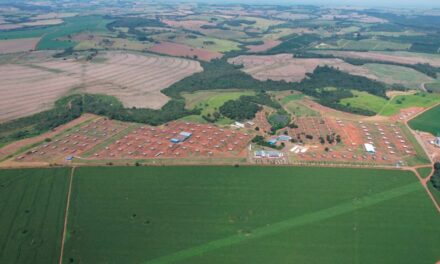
column 51, row 34
column 428, row 121
column 371, row 44
column 210, row 101
column 405, row 101
column 365, row 100
column 73, row 25
column 250, row 215
column 32, row 203
column 398, row 74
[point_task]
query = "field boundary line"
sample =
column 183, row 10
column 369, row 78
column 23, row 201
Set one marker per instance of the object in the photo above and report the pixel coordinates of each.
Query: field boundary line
column 285, row 225
column 66, row 215
column 425, row 183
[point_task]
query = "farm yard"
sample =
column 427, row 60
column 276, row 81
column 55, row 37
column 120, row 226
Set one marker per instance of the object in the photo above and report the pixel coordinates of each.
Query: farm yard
column 328, row 140
column 134, row 79
column 359, row 213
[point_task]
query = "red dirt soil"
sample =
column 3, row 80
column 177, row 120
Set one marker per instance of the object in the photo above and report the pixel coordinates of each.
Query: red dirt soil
column 174, row 49
column 16, row 146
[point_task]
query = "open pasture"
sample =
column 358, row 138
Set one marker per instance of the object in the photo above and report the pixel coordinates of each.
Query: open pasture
column 134, row 79
column 401, row 102
column 428, row 121
column 210, row 101
column 33, row 203
column 18, row 45
column 397, row 74
column 181, row 50
column 87, row 41
column 371, row 44
column 249, row 215
column 155, row 142
column 365, row 100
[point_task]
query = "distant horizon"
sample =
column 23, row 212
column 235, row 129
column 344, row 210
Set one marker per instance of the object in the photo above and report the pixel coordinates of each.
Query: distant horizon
column 353, row 3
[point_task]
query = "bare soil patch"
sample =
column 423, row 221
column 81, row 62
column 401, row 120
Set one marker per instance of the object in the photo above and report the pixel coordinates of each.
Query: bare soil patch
column 18, row 45
column 32, row 86
column 181, row 50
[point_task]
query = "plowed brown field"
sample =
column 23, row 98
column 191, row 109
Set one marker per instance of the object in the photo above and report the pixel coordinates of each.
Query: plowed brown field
column 30, row 87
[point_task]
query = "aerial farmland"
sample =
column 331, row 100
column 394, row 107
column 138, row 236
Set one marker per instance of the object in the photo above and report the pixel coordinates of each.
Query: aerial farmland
column 146, row 132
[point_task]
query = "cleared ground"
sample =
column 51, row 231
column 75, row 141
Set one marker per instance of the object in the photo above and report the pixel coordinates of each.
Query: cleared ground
column 18, row 45
column 134, row 79
column 243, row 215
column 32, row 206
column 285, row 67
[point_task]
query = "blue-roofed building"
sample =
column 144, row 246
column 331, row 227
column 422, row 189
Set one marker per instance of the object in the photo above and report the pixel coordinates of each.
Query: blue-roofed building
column 175, row 140
column 181, row 137
column 272, row 141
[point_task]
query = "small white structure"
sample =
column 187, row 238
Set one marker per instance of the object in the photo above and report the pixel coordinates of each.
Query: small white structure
column 238, row 125
column 369, row 148
column 268, row 154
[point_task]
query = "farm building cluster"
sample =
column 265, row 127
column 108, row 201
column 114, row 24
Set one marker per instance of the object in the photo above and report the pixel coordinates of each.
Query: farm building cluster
column 114, row 140
column 176, row 140
column 318, row 139
column 74, row 142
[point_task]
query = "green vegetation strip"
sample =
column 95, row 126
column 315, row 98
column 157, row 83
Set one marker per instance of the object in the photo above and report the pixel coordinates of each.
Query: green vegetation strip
column 421, row 157
column 428, row 121
column 288, row 224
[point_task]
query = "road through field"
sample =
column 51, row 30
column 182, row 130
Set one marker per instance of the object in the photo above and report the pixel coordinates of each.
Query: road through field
column 66, row 215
